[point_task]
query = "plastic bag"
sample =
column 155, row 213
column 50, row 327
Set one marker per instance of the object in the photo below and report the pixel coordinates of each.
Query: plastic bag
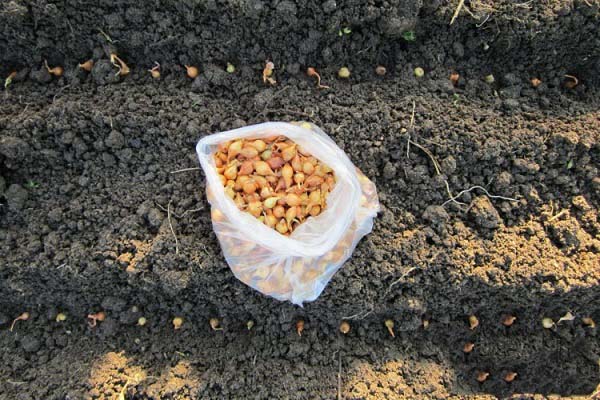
column 295, row 268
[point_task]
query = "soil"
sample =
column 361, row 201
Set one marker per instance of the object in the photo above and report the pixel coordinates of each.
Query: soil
column 492, row 211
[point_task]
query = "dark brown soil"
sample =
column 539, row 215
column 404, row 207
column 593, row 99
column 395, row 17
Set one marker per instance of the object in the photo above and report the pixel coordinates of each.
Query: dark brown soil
column 85, row 180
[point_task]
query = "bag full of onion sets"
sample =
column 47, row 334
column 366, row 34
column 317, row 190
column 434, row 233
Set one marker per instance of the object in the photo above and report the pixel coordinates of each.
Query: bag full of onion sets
column 287, row 205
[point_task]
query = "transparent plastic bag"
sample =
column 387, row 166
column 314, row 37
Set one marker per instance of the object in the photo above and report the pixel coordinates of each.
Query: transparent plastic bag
column 295, row 268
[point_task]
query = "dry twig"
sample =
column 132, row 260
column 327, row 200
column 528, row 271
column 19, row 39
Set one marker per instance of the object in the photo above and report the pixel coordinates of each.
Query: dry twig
column 171, row 226
column 461, row 3
column 480, row 188
column 185, row 170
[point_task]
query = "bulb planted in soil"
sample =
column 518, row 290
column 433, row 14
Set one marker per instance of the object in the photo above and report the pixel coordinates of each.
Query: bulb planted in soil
column 389, row 324
column 468, row 347
column 155, row 71
column 567, row 317
column 454, row 77
column 344, row 73
column 310, row 71
column 510, row 376
column 22, row 317
column 268, row 73
column 56, row 71
column 120, row 64
column 9, row 79
column 508, row 320
column 300, row 327
column 547, row 323
column 473, row 322
column 215, row 324
column 345, row 327
column 93, row 319
column 589, row 322
column 482, row 376
column 177, row 323
column 571, row 82
column 87, row 65
column 192, row 72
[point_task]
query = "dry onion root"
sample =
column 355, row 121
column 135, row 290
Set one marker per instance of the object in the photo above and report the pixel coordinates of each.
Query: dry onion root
column 274, row 180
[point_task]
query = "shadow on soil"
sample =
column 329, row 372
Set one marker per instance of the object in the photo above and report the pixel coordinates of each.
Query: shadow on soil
column 562, row 360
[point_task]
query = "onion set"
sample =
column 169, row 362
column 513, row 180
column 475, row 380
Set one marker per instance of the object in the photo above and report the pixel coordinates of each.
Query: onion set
column 22, row 317
column 274, row 180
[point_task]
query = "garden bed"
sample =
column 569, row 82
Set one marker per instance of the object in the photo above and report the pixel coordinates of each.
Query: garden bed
column 88, row 181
